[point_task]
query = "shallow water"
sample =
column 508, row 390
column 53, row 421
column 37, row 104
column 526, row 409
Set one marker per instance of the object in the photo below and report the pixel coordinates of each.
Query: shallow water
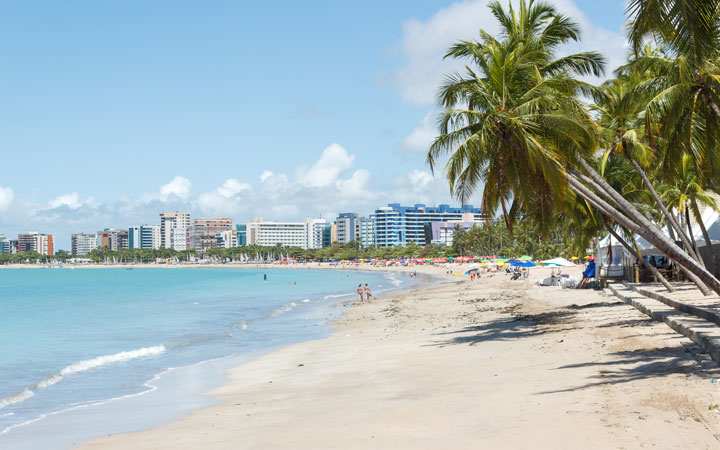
column 74, row 338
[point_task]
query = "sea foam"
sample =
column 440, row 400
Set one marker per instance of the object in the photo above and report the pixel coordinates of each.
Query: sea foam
column 81, row 366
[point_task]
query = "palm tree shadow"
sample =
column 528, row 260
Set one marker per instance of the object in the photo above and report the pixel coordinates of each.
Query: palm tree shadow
column 508, row 328
column 628, row 366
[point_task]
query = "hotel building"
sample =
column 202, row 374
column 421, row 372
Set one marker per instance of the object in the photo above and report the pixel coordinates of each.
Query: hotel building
column 81, row 244
column 287, row 234
column 170, row 220
column 315, row 231
column 399, row 225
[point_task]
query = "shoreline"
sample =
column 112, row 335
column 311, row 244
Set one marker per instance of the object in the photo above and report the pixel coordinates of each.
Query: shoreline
column 157, row 389
column 464, row 365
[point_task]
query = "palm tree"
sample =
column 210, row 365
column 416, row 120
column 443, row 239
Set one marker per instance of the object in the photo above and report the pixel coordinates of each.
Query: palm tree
column 504, row 119
column 685, row 193
column 514, row 123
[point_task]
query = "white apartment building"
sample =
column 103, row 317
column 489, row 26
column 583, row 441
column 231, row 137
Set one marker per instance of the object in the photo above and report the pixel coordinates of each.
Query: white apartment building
column 81, row 244
column 314, row 229
column 178, row 238
column 287, row 234
column 227, row 239
column 170, row 220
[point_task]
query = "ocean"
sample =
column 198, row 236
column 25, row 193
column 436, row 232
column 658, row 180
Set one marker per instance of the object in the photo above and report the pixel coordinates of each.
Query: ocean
column 81, row 339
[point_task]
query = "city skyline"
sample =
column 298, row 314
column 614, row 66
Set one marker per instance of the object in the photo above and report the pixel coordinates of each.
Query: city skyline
column 357, row 95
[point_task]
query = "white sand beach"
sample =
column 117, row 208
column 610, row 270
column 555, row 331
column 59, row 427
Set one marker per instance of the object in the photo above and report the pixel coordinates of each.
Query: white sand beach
column 483, row 364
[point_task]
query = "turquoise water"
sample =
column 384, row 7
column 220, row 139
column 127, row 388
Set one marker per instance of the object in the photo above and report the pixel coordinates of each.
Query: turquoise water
column 71, row 338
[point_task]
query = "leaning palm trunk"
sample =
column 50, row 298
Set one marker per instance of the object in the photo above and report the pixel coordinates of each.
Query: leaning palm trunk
column 697, row 274
column 706, row 236
column 646, row 264
column 647, row 226
column 668, row 216
column 692, row 236
column 602, row 186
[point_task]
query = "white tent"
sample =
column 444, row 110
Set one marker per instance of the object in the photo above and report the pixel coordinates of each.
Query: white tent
column 559, row 261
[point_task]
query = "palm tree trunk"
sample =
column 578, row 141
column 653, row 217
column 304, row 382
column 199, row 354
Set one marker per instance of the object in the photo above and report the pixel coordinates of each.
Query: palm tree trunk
column 692, row 236
column 697, row 274
column 634, row 215
column 601, row 185
column 638, row 256
column 670, row 218
column 706, row 236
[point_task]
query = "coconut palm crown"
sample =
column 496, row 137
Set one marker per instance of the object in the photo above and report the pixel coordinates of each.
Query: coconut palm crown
column 511, row 117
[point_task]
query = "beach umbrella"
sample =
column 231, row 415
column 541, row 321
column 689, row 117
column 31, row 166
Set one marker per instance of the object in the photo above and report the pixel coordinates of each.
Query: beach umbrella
column 525, row 264
column 512, row 261
column 591, row 257
column 553, row 265
column 574, row 258
column 525, row 258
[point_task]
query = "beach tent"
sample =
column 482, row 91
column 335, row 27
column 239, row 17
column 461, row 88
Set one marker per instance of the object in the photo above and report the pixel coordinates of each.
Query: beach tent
column 561, row 262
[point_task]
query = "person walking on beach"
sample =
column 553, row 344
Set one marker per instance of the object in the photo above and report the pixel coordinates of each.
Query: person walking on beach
column 367, row 292
column 360, row 292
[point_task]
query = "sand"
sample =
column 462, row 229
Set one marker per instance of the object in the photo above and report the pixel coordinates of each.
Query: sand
column 484, row 364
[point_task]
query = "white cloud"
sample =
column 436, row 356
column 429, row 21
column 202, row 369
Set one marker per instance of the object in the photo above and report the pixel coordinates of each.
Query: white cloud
column 355, row 187
column 72, row 201
column 420, row 179
column 6, row 198
column 422, row 136
column 332, row 163
column 424, row 43
column 225, row 200
column 265, row 175
column 232, row 187
column 179, row 187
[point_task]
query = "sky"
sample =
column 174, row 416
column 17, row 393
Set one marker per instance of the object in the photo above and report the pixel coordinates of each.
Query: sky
column 112, row 112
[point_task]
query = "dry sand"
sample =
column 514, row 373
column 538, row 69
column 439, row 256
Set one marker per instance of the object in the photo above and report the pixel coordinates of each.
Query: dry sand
column 484, row 364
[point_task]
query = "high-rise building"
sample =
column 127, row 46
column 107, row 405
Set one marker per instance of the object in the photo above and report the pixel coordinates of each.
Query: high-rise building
column 170, row 220
column 204, row 231
column 81, row 244
column 113, row 239
column 352, row 227
column 7, row 245
column 345, row 223
column 365, row 232
column 144, row 237
column 327, row 235
column 227, row 239
column 314, row 229
column 179, row 238
column 35, row 242
column 241, row 234
column 287, row 234
column 399, row 225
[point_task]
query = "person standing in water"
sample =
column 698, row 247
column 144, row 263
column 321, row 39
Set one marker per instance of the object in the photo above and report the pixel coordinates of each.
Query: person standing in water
column 367, row 292
column 360, row 292
column 265, row 277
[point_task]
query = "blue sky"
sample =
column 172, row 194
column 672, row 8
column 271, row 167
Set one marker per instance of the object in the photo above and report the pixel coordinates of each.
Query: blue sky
column 115, row 111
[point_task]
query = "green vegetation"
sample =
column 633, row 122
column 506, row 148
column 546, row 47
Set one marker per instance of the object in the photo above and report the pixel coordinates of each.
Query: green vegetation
column 643, row 154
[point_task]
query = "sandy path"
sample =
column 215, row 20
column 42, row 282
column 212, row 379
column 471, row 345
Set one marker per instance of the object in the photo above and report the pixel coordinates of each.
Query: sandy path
column 487, row 364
